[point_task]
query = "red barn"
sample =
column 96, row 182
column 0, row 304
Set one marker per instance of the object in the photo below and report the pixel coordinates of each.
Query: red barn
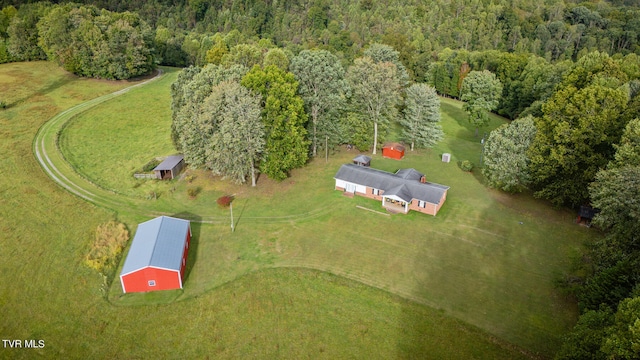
column 158, row 255
column 393, row 151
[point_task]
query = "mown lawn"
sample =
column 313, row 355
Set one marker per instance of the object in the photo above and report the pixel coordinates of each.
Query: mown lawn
column 462, row 285
column 488, row 259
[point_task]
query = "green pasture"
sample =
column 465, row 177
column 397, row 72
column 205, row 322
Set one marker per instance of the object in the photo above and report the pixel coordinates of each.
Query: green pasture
column 305, row 274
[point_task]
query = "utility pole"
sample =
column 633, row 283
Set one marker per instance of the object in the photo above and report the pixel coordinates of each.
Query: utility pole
column 482, row 152
column 231, row 210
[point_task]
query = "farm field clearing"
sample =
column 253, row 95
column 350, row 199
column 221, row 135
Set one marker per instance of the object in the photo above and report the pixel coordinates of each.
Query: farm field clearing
column 475, row 262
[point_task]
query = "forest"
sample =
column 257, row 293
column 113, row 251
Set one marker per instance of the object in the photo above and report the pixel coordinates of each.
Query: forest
column 282, row 81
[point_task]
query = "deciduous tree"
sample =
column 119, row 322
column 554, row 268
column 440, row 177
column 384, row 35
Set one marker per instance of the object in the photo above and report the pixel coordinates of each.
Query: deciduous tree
column 574, row 140
column 481, row 91
column 23, row 32
column 277, row 57
column 506, row 164
column 284, row 119
column 375, row 91
column 616, row 192
column 322, row 87
column 385, row 53
column 238, row 141
column 243, row 54
column 628, row 150
column 193, row 125
column 623, row 338
column 421, row 116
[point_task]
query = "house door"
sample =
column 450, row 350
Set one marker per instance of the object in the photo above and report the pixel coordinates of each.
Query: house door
column 350, row 188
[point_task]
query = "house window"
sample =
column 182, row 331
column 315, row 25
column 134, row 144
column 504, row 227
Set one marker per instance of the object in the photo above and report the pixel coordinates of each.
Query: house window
column 152, row 283
column 182, row 261
column 375, row 191
column 422, row 204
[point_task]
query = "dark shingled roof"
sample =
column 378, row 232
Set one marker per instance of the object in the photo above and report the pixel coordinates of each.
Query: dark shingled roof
column 393, row 184
column 362, row 159
column 169, row 163
column 409, row 174
column 158, row 243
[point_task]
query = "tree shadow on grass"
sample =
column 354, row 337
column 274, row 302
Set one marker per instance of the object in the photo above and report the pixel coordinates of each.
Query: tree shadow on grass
column 48, row 88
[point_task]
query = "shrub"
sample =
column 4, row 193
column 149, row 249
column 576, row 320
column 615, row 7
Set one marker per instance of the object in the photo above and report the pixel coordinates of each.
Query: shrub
column 110, row 239
column 189, row 178
column 193, row 191
column 3, row 105
column 150, row 165
column 466, row 165
column 225, row 201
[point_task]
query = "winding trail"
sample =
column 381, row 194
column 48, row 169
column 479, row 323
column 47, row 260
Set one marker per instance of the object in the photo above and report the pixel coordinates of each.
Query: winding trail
column 45, row 148
column 55, row 165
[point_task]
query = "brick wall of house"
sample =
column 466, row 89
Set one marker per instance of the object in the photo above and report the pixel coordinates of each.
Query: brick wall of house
column 428, row 209
column 370, row 194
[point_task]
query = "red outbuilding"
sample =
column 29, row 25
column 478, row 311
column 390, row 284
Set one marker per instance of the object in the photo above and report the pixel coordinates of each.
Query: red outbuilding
column 393, row 151
column 158, row 256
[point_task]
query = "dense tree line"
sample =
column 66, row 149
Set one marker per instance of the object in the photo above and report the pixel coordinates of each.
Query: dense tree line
column 582, row 147
column 554, row 30
column 82, row 39
column 97, row 43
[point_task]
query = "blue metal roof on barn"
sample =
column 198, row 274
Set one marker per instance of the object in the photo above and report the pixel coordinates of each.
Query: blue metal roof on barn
column 404, row 184
column 169, row 163
column 157, row 243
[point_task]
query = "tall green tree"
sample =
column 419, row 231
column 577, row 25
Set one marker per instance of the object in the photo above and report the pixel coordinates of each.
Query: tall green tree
column 445, row 72
column 386, row 53
column 375, row 92
column 193, row 125
column 23, row 32
column 623, row 337
column 6, row 15
column 243, row 54
column 238, row 141
column 616, row 192
column 421, row 116
column 628, row 150
column 322, row 87
column 277, row 57
column 481, row 91
column 217, row 52
column 587, row 336
column 574, row 140
column 284, row 120
column 506, row 161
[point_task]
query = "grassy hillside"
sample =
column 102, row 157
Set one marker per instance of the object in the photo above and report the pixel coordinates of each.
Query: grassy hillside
column 473, row 264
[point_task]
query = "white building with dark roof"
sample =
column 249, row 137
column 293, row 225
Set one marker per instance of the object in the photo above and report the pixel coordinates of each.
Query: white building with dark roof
column 405, row 190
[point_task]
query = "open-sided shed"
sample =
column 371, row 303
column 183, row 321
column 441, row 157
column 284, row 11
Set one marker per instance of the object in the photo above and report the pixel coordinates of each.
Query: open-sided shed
column 170, row 167
column 158, row 256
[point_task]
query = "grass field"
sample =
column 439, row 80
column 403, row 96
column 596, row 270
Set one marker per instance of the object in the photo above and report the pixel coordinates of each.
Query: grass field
column 462, row 285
